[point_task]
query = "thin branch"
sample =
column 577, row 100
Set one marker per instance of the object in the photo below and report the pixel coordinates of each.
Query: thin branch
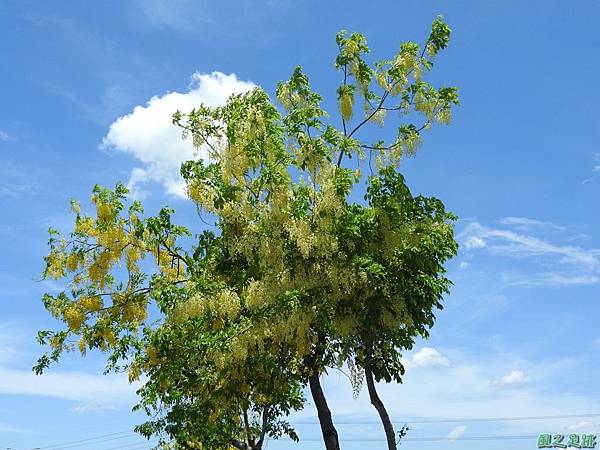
column 380, row 105
column 188, row 128
column 390, row 147
column 343, row 373
column 173, row 253
column 370, row 116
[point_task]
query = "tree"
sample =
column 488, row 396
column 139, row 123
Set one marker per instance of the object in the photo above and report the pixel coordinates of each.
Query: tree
column 298, row 276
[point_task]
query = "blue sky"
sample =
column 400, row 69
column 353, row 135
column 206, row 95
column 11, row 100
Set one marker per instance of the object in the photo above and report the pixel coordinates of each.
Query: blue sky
column 86, row 88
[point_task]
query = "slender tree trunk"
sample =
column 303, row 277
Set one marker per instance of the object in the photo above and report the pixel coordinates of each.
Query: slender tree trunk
column 249, row 439
column 330, row 435
column 379, row 406
column 263, row 431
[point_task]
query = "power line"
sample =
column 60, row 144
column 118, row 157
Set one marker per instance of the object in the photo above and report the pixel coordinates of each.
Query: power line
column 94, row 438
column 463, row 420
column 78, row 445
column 138, row 445
column 473, row 438
column 509, row 419
column 438, row 438
column 100, row 439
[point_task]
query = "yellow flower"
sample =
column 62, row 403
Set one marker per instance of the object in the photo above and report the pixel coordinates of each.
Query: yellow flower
column 55, row 342
column 346, row 105
column 104, row 211
column 72, row 262
column 91, row 303
column 82, row 344
column 55, row 265
column 85, row 226
column 134, row 372
column 74, row 317
column 75, row 207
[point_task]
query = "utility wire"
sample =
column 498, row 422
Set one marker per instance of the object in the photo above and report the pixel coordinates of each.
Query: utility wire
column 138, row 445
column 78, row 445
column 437, row 438
column 508, row 419
column 129, row 433
column 94, row 438
column 464, row 420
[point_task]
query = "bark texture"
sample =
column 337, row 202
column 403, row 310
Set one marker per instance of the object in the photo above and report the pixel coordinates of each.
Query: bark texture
column 330, row 435
column 378, row 404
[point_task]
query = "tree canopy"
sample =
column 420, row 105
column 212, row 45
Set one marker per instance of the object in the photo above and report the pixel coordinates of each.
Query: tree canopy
column 308, row 264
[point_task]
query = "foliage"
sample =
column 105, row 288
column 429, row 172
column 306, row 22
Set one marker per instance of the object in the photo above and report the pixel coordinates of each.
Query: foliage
column 299, row 276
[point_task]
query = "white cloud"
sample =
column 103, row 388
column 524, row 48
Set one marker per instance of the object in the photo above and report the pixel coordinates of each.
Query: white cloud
column 457, row 432
column 472, row 242
column 13, row 338
column 90, row 391
column 176, row 15
column 512, row 378
column 77, row 386
column 94, row 406
column 595, row 169
column 520, row 221
column 460, row 392
column 3, row 136
column 15, row 182
column 584, row 424
column 148, row 134
column 463, row 264
column 6, row 428
column 556, row 278
column 206, row 19
column 525, row 222
column 426, row 357
column 519, row 244
column 570, row 264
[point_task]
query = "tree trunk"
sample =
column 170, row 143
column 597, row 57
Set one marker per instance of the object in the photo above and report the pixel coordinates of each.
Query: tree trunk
column 379, row 406
column 263, row 430
column 238, row 444
column 330, row 435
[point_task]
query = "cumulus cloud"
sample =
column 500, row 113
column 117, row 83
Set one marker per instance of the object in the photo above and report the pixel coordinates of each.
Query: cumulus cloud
column 426, row 357
column 148, row 134
column 457, row 432
column 3, row 136
column 512, row 378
